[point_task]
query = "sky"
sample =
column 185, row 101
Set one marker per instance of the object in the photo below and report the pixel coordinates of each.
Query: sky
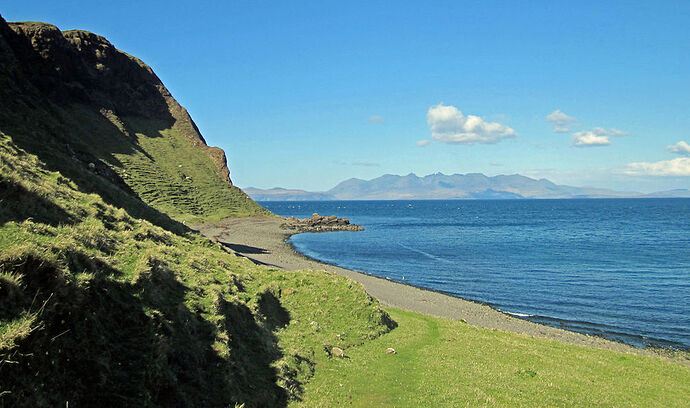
column 308, row 94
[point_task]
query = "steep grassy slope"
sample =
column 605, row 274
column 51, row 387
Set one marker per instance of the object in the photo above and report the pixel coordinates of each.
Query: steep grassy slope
column 106, row 297
column 77, row 102
column 98, row 308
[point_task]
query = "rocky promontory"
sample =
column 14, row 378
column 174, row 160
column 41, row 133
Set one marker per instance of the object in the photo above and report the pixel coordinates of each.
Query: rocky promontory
column 319, row 223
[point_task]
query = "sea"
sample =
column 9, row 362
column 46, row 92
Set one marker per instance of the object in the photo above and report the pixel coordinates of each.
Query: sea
column 616, row 268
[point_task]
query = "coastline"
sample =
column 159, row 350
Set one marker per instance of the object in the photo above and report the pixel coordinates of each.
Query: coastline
column 261, row 240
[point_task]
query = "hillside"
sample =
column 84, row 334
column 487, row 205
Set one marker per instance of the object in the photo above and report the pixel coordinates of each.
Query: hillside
column 439, row 187
column 79, row 103
column 108, row 299
column 98, row 308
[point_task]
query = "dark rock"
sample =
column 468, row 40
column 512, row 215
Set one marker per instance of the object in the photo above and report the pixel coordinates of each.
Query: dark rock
column 318, row 223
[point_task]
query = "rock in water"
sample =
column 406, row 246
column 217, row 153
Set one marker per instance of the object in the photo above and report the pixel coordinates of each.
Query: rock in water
column 318, row 223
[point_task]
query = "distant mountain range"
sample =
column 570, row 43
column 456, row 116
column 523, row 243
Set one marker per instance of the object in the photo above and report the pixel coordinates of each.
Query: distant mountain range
column 447, row 187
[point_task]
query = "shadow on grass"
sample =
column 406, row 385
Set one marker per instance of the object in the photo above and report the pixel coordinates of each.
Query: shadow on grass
column 102, row 342
column 18, row 204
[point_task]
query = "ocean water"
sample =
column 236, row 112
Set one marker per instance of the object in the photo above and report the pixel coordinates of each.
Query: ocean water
column 615, row 268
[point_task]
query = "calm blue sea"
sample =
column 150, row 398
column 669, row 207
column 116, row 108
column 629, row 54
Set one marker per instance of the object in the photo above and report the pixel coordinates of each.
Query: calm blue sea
column 616, row 268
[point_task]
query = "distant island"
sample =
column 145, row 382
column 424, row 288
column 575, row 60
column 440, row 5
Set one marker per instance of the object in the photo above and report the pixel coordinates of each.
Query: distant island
column 471, row 186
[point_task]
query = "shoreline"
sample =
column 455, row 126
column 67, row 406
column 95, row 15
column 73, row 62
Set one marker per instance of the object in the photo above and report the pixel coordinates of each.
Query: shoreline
column 261, row 240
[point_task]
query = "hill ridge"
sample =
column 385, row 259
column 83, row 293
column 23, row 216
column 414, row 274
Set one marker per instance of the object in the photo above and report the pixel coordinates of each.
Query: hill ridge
column 439, row 186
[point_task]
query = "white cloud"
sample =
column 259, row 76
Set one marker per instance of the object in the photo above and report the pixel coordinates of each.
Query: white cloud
column 681, row 148
column 449, row 125
column 376, row 119
column 422, row 143
column 675, row 167
column 560, row 121
column 589, row 138
column 595, row 137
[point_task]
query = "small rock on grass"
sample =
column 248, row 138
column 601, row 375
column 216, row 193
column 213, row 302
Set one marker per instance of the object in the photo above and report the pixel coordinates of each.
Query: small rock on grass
column 390, row 350
column 338, row 352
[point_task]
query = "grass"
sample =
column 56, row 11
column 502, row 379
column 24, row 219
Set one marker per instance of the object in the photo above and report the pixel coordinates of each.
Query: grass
column 178, row 178
column 98, row 305
column 445, row 363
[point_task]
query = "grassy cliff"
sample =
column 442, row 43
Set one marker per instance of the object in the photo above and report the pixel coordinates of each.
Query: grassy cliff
column 106, row 297
column 77, row 102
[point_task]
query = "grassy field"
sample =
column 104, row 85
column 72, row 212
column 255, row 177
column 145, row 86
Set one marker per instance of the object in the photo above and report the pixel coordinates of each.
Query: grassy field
column 445, row 363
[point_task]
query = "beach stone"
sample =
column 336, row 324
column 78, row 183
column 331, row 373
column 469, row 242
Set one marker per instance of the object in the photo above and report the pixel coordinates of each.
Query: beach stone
column 390, row 350
column 338, row 352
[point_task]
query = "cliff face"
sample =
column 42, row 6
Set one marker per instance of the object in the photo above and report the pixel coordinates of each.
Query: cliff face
column 73, row 95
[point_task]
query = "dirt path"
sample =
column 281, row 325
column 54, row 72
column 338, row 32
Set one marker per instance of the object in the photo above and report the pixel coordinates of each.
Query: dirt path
column 263, row 241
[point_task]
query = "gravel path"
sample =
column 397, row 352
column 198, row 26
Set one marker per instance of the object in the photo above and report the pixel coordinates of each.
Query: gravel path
column 263, row 241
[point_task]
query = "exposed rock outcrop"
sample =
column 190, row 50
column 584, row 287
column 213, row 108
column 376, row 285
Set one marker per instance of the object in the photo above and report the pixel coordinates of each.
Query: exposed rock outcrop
column 319, row 223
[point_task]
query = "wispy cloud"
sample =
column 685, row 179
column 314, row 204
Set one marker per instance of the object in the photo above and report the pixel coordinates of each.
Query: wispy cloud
column 449, row 125
column 422, row 143
column 376, row 119
column 561, row 122
column 681, row 148
column 595, row 137
column 365, row 164
column 676, row 167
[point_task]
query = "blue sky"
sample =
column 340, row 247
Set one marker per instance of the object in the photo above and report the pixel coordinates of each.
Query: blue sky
column 307, row 94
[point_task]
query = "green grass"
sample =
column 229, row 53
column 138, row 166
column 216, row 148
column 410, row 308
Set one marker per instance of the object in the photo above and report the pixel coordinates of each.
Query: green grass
column 445, row 363
column 98, row 305
column 178, row 178
column 156, row 160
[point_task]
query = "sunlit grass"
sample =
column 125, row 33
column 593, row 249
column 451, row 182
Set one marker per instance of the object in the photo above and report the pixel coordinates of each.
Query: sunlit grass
column 441, row 362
